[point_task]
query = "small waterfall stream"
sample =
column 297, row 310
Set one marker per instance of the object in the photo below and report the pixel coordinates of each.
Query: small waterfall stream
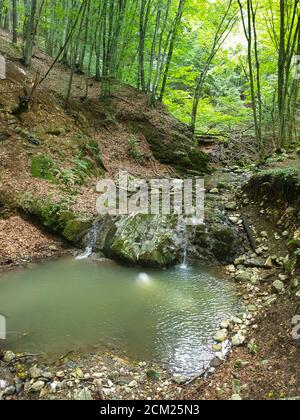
column 91, row 241
column 185, row 246
column 184, row 239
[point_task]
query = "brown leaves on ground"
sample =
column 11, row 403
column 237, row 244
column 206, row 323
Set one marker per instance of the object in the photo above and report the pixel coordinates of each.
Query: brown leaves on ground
column 20, row 240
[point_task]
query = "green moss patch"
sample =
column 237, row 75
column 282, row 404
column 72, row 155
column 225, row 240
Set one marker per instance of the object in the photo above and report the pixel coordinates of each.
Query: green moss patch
column 43, row 167
column 57, row 217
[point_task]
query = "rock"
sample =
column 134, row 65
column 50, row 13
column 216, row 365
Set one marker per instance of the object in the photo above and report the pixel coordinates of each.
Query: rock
column 238, row 340
column 270, row 301
column 11, row 390
column 294, row 283
column 255, row 263
column 243, row 276
column 37, row 386
column 278, row 286
column 217, row 348
column 147, row 240
column 236, row 320
column 269, row 263
column 231, row 269
column 234, row 220
column 298, row 294
column 53, row 248
column 225, row 325
column 9, row 356
column 179, row 379
column 283, row 277
column 35, row 372
column 47, row 375
column 236, row 397
column 221, row 336
column 240, row 260
column 83, row 395
column 230, row 206
column 216, row 362
column 133, row 384
column 60, row 374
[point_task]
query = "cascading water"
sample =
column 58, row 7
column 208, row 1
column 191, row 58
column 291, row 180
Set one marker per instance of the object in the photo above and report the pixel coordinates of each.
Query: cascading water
column 92, row 238
column 184, row 241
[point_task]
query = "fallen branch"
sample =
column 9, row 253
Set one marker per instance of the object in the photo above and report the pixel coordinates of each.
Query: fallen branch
column 249, row 233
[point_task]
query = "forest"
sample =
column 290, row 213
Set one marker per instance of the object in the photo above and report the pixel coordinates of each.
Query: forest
column 149, row 201
column 219, row 66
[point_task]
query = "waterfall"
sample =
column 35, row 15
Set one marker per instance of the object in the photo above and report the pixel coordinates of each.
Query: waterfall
column 91, row 241
column 185, row 242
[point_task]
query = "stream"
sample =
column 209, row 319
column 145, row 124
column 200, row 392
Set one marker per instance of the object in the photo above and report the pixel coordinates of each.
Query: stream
column 168, row 316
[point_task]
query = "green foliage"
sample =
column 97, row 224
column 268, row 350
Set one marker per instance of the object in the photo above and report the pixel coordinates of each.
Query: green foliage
column 179, row 52
column 42, row 167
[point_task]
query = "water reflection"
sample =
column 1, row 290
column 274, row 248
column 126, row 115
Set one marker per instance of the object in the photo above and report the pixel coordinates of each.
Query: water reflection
column 165, row 315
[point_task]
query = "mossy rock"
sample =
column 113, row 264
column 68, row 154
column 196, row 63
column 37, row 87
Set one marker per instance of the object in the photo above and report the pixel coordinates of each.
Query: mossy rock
column 76, row 228
column 176, row 147
column 56, row 216
column 145, row 240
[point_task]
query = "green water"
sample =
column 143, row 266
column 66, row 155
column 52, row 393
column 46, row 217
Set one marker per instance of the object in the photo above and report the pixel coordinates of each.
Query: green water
column 167, row 316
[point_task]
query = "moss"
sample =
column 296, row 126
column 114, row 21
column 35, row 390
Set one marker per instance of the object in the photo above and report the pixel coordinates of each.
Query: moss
column 57, row 217
column 42, row 167
column 294, row 244
column 144, row 239
column 75, row 229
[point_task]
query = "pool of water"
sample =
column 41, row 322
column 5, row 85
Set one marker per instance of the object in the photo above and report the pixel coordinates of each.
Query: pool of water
column 168, row 316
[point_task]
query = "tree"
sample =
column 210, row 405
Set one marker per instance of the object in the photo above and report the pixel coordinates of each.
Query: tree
column 222, row 32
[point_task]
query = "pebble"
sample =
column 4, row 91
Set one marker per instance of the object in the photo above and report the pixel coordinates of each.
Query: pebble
column 35, row 372
column 278, row 286
column 179, row 379
column 9, row 357
column 236, row 397
column 225, row 325
column 83, row 395
column 11, row 390
column 238, row 340
column 37, row 386
column 221, row 336
column 234, row 220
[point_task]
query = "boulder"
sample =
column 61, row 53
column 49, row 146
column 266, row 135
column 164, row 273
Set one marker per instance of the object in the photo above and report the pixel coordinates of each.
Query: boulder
column 146, row 240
